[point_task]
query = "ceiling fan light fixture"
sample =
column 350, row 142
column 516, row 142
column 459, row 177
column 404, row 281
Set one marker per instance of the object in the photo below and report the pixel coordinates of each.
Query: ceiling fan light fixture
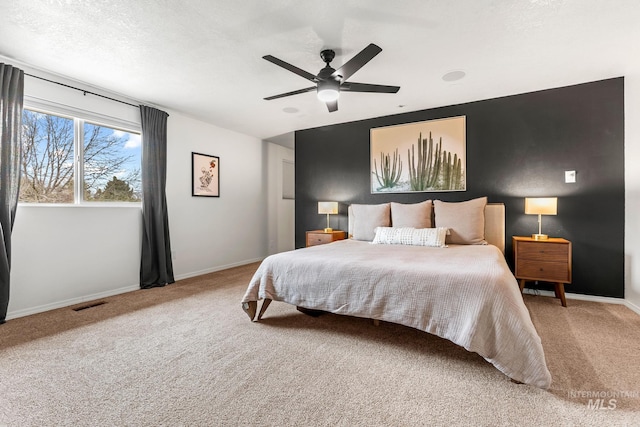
column 328, row 90
column 328, row 95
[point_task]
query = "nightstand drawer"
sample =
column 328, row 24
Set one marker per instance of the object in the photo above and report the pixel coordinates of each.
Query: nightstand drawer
column 546, row 271
column 543, row 251
column 318, row 239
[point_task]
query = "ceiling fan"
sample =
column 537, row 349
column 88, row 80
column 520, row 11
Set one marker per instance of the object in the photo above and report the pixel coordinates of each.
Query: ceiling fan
column 330, row 82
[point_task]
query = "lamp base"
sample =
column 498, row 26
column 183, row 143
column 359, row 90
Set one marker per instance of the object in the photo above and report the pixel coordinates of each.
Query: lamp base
column 539, row 237
column 328, row 230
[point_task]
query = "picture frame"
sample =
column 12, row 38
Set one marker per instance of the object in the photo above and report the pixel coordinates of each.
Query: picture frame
column 427, row 156
column 205, row 175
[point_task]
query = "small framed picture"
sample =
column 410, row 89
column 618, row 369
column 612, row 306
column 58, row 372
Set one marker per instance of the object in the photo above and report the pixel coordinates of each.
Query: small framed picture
column 205, row 175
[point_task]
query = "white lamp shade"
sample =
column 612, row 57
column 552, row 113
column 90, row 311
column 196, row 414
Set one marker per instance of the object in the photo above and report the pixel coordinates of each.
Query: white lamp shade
column 541, row 205
column 328, row 208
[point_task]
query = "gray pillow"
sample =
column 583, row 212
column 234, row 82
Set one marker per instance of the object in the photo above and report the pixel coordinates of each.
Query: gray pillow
column 416, row 215
column 465, row 220
column 366, row 218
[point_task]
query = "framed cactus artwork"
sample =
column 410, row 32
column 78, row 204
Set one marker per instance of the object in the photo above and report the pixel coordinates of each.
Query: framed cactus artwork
column 205, row 175
column 419, row 157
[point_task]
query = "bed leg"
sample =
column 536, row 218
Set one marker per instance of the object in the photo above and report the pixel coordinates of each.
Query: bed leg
column 250, row 308
column 265, row 304
column 376, row 322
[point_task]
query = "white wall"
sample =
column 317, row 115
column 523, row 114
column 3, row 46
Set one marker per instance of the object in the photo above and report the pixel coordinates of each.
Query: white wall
column 632, row 189
column 210, row 233
column 64, row 255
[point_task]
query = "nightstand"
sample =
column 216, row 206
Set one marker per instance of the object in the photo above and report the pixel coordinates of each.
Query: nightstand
column 319, row 237
column 545, row 260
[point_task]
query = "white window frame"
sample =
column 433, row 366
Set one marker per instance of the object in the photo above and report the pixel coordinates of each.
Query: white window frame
column 80, row 117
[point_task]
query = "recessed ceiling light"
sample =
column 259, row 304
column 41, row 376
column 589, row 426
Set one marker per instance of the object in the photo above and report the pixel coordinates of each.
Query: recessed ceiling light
column 452, row 76
column 290, row 110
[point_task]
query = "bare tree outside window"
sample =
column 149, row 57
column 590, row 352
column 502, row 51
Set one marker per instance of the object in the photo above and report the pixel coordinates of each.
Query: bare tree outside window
column 111, row 161
column 47, row 158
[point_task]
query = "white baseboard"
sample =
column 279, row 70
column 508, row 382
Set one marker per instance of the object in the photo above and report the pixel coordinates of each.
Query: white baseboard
column 218, row 268
column 632, row 306
column 69, row 302
column 607, row 300
column 92, row 297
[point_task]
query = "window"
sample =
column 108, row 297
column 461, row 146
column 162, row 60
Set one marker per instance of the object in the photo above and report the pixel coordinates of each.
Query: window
column 70, row 160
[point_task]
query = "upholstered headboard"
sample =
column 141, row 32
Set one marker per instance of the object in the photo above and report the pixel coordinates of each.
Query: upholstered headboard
column 494, row 224
column 494, row 219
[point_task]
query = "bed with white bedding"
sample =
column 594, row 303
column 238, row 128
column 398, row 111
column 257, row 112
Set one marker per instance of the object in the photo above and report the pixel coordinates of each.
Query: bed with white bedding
column 461, row 292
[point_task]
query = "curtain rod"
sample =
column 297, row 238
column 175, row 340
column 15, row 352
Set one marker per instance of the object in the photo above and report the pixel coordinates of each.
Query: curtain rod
column 85, row 92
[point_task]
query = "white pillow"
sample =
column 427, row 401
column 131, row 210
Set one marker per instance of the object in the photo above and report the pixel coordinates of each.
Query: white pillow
column 390, row 235
column 464, row 219
column 411, row 236
column 367, row 217
column 416, row 215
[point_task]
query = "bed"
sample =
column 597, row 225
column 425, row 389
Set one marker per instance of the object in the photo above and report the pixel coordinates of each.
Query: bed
column 456, row 285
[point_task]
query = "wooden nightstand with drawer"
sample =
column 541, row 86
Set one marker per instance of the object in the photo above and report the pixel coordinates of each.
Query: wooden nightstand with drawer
column 544, row 260
column 319, row 237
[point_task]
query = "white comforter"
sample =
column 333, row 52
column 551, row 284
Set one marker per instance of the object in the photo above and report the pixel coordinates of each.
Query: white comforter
column 466, row 294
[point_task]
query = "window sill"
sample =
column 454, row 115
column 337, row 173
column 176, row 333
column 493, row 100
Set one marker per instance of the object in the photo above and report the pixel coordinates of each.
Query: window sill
column 133, row 205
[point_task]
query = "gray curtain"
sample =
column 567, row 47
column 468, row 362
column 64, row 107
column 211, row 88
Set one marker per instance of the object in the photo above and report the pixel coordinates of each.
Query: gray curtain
column 11, row 102
column 156, row 268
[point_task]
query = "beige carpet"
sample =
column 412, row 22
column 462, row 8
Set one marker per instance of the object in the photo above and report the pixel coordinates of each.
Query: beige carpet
column 187, row 355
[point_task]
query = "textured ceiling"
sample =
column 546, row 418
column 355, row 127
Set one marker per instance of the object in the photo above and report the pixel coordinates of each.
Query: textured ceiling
column 204, row 58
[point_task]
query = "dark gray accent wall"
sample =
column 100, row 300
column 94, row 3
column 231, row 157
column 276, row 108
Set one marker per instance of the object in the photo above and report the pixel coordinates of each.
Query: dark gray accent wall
column 517, row 146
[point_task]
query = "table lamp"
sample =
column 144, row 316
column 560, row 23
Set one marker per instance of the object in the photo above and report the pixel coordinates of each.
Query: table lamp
column 329, row 208
column 540, row 206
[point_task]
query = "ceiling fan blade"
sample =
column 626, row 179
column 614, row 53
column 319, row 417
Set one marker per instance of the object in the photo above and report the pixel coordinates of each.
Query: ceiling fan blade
column 365, row 87
column 302, row 73
column 332, row 106
column 295, row 92
column 357, row 62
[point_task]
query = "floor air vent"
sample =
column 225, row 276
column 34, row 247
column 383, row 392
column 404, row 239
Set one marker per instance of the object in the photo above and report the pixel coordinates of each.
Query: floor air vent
column 93, row 304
